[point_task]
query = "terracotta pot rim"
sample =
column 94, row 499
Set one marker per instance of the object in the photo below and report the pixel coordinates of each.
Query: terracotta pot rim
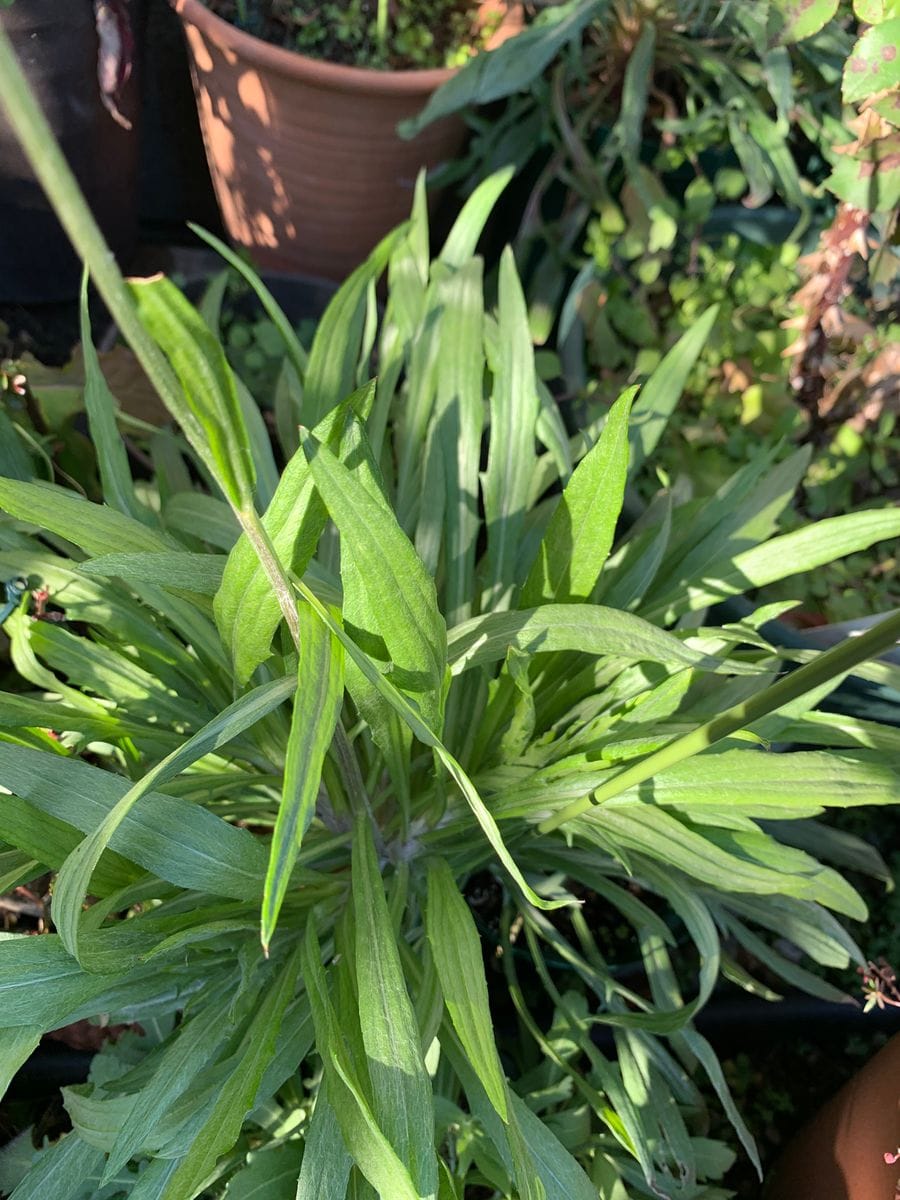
column 317, row 71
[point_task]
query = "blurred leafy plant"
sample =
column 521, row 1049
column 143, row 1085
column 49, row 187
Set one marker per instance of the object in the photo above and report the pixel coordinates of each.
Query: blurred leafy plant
column 622, row 108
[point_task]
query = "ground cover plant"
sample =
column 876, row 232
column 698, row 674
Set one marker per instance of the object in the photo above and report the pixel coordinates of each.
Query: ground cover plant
column 274, row 725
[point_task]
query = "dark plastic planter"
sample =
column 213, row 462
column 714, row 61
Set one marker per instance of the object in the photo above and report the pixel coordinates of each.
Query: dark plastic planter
column 58, row 47
column 855, row 697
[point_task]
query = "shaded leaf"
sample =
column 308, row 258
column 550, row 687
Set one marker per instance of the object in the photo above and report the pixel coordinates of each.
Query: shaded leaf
column 401, row 1089
column 173, row 838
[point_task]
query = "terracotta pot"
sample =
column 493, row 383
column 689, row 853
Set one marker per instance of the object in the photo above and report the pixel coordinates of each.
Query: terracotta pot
column 840, row 1155
column 308, row 168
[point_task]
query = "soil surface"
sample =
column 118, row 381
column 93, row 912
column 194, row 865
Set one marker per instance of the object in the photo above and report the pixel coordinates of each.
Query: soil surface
column 421, row 34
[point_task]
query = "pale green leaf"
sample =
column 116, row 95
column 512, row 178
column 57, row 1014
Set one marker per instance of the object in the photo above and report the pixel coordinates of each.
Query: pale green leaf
column 457, row 429
column 456, row 950
column 95, row 528
column 804, row 549
column 41, row 984
column 273, row 310
column 326, row 1164
column 552, row 627
column 179, row 1061
column 425, row 734
column 200, row 573
column 222, row 1126
column 16, row 1047
column 209, row 410
column 203, row 517
column 511, row 461
column 69, row 1168
column 334, row 355
column 365, row 1141
column 46, row 839
column 246, row 609
column 112, row 457
column 463, row 238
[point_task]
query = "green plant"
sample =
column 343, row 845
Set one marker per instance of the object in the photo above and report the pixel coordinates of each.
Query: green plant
column 264, row 754
column 369, row 33
column 740, row 394
column 623, row 109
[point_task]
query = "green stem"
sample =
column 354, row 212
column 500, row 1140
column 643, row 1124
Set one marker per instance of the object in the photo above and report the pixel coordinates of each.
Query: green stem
column 62, row 190
column 271, row 564
column 826, row 666
column 381, row 25
column 57, row 180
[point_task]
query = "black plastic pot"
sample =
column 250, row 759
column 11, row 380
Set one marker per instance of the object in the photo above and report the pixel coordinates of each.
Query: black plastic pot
column 51, row 1067
column 175, row 184
column 855, row 697
column 735, row 1022
column 59, row 49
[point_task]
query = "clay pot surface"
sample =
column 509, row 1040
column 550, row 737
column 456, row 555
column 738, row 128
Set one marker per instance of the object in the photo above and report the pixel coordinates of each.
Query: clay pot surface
column 308, row 168
column 840, row 1155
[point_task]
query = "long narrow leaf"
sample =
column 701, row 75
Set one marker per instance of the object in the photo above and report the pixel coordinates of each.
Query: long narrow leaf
column 112, row 458
column 423, row 732
column 325, row 1170
column 414, row 632
column 222, row 1126
column 175, row 839
column 317, row 707
column 210, row 412
column 401, row 1088
column 663, row 389
column 511, row 457
column 462, row 239
column 334, row 355
column 273, row 310
column 247, row 611
column 364, row 1139
column 177, row 1066
column 552, row 627
column 93, row 527
column 456, row 950
column 74, row 879
column 831, row 663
